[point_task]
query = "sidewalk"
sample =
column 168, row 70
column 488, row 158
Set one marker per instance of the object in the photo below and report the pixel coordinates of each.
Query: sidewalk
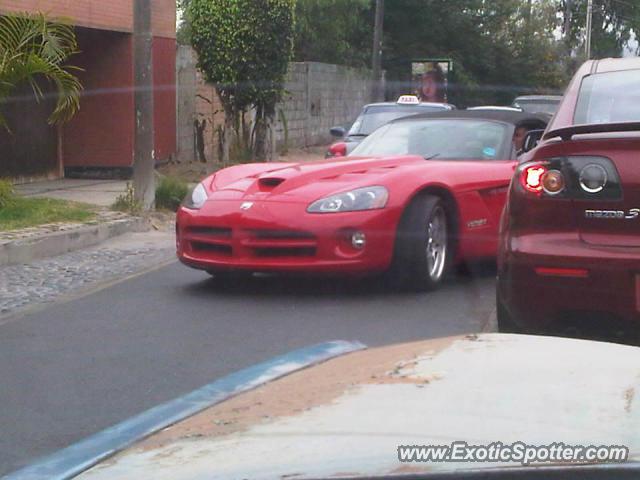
column 95, row 192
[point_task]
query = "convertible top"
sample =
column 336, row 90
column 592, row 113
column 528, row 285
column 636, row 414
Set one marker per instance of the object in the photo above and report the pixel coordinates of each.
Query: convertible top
column 515, row 118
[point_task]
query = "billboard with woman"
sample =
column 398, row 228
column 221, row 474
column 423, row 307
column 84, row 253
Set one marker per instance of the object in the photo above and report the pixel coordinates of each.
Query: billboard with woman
column 429, row 79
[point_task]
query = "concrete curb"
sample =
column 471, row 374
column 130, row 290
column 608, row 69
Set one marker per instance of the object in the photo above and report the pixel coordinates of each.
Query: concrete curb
column 49, row 244
column 79, row 457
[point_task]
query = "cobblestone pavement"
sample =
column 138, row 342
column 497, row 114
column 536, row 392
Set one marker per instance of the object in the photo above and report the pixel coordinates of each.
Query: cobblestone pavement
column 49, row 279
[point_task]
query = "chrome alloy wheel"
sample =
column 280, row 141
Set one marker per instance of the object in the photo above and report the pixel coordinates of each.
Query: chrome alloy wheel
column 436, row 243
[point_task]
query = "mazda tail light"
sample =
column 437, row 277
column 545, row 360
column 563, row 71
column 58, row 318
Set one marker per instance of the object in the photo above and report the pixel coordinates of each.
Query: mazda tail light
column 578, row 177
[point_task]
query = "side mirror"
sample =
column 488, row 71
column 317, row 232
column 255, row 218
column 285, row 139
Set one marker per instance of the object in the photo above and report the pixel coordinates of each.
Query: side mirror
column 531, row 140
column 338, row 149
column 337, row 132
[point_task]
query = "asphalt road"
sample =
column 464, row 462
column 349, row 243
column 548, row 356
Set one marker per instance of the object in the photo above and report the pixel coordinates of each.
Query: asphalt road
column 77, row 367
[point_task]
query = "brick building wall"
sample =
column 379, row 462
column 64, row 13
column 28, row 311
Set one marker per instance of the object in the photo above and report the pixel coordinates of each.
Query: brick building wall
column 115, row 15
column 101, row 133
column 99, row 139
column 164, row 97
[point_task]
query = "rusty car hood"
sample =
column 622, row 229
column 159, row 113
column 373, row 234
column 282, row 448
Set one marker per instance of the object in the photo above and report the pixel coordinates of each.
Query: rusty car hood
column 348, row 415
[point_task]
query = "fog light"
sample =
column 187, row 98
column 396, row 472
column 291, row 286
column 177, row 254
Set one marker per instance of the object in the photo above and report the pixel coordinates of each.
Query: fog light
column 552, row 182
column 358, row 240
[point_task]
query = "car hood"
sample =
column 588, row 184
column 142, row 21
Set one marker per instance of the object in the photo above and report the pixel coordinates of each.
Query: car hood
column 305, row 181
column 347, row 416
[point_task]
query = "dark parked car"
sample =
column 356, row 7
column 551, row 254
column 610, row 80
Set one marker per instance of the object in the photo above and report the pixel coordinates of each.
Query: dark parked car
column 375, row 115
column 570, row 233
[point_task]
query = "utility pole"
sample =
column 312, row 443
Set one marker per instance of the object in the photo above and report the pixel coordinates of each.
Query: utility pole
column 528, row 18
column 589, row 21
column 376, row 58
column 143, row 161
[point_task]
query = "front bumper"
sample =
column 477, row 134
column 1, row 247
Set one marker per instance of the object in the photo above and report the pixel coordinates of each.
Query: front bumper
column 283, row 237
column 543, row 279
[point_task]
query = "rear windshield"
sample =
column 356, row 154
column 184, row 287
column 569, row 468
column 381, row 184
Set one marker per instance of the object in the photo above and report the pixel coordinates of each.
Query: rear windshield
column 609, row 97
column 376, row 116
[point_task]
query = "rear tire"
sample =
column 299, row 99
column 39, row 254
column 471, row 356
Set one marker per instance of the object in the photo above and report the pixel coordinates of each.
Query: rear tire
column 422, row 254
column 504, row 319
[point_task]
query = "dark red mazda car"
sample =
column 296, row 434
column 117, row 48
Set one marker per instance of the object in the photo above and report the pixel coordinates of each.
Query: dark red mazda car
column 569, row 246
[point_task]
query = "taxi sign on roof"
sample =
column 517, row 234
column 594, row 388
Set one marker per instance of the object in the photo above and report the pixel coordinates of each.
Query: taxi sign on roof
column 408, row 100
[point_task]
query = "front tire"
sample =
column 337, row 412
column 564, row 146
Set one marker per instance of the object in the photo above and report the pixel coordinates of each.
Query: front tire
column 422, row 253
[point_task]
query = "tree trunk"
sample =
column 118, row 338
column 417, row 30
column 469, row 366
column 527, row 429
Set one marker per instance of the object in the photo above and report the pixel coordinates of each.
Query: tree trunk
column 200, row 128
column 272, row 140
column 262, row 142
column 259, row 139
column 244, row 139
column 226, row 137
column 227, row 128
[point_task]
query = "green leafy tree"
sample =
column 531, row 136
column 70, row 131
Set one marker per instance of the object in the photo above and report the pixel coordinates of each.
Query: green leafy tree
column 243, row 48
column 183, row 31
column 499, row 49
column 33, row 49
column 613, row 21
column 334, row 31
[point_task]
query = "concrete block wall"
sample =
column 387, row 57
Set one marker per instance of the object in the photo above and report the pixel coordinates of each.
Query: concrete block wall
column 209, row 114
column 197, row 104
column 317, row 97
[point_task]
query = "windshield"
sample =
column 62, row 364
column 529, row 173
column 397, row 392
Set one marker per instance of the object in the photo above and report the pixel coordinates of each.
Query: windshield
column 442, row 139
column 538, row 106
column 375, row 116
column 609, row 97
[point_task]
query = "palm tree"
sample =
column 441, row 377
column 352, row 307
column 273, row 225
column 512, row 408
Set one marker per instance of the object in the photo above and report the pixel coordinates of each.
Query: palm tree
column 33, row 48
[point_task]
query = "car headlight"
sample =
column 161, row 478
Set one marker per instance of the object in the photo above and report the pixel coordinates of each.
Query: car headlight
column 196, row 198
column 367, row 198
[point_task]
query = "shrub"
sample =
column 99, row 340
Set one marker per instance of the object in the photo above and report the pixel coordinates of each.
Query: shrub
column 6, row 193
column 126, row 202
column 170, row 193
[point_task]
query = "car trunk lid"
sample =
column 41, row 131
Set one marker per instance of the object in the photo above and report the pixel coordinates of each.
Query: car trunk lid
column 608, row 220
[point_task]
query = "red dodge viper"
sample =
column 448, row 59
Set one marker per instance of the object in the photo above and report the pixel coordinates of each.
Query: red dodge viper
column 418, row 195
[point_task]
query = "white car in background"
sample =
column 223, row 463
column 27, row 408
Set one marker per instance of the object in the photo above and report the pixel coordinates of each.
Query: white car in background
column 375, row 115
